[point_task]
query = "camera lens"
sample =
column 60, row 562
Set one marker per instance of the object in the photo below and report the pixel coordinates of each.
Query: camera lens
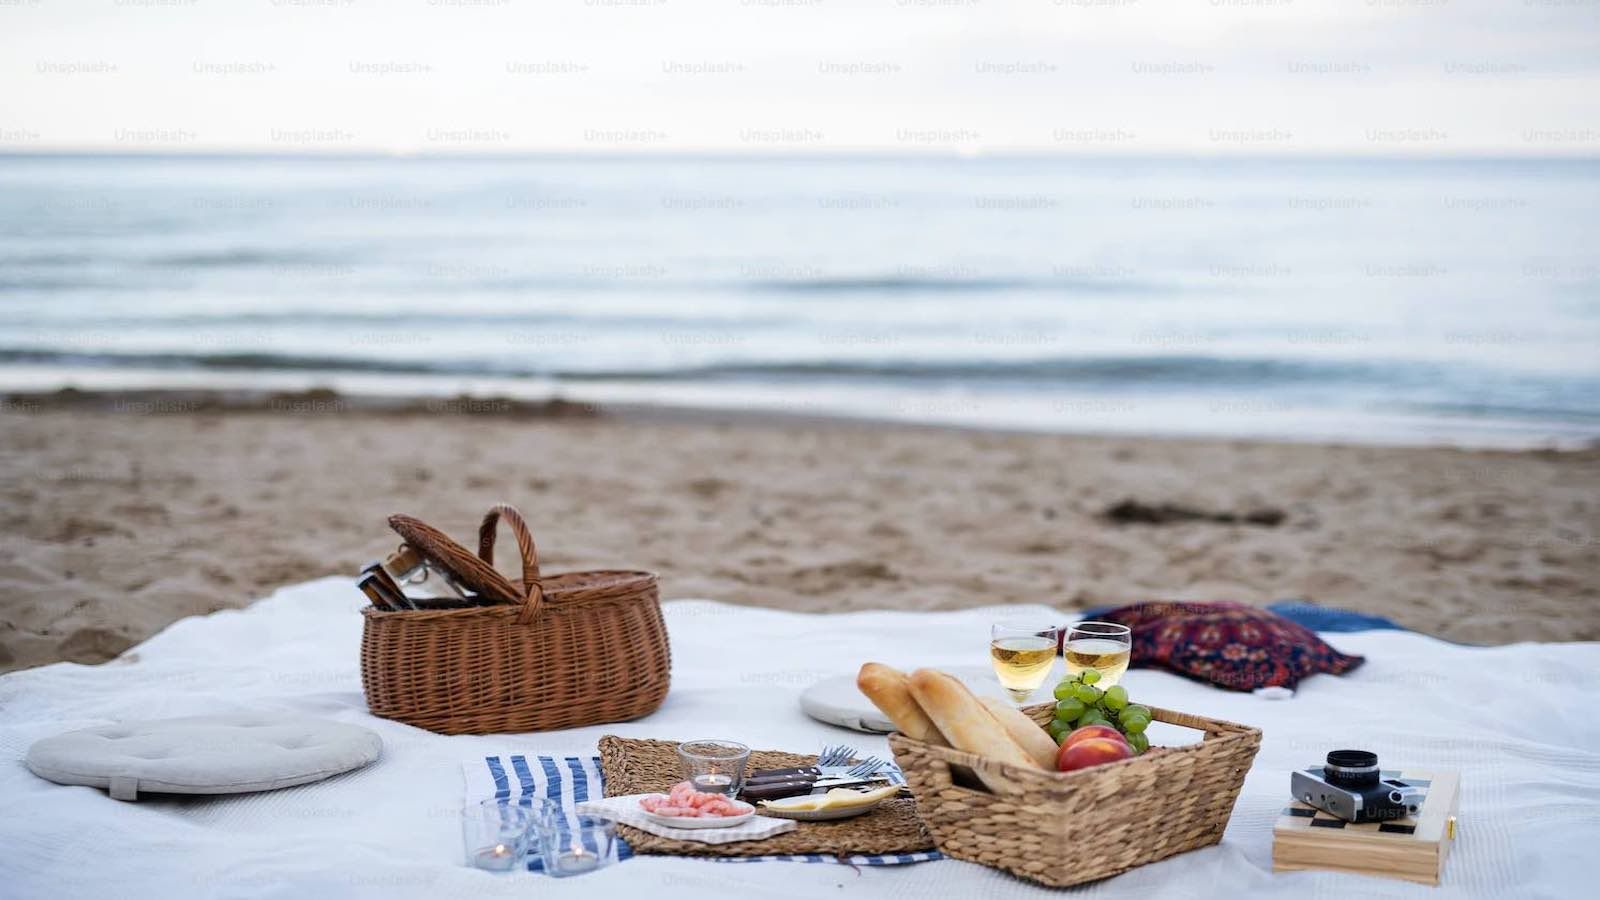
column 1351, row 768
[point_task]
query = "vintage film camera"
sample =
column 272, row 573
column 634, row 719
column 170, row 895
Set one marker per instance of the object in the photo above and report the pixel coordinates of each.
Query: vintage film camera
column 1350, row 786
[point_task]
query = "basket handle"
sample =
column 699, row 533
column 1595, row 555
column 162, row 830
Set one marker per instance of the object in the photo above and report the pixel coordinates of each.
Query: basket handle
column 530, row 556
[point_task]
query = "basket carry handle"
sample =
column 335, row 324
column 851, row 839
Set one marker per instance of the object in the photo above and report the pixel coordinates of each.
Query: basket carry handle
column 530, row 556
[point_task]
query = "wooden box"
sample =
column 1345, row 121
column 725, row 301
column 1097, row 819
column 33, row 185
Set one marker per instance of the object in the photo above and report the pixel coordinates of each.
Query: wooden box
column 1413, row 849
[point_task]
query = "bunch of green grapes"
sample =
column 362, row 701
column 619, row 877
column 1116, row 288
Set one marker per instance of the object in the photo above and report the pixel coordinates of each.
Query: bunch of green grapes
column 1080, row 703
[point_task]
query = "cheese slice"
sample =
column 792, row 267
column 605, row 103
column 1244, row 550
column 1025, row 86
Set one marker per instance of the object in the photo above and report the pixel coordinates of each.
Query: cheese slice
column 838, row 798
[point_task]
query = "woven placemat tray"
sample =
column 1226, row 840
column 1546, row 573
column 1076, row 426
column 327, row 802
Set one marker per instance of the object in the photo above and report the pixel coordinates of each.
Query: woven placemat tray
column 636, row 766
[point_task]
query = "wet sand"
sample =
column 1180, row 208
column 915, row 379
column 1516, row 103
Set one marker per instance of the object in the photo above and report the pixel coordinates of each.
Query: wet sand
column 124, row 512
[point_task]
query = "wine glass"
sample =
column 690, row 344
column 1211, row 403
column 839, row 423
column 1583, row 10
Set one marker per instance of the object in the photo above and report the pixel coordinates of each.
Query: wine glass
column 1023, row 656
column 1105, row 647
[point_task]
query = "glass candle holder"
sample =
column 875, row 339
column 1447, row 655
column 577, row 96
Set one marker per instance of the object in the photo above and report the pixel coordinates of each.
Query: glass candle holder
column 495, row 834
column 713, row 766
column 578, row 845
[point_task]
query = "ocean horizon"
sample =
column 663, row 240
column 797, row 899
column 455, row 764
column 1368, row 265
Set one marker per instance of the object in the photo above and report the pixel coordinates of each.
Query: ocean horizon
column 1409, row 301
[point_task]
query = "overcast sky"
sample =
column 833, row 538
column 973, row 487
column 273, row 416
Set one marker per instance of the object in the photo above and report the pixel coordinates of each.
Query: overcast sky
column 948, row 76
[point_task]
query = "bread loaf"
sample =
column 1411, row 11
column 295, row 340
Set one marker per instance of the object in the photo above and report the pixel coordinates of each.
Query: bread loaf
column 890, row 691
column 1033, row 740
column 966, row 723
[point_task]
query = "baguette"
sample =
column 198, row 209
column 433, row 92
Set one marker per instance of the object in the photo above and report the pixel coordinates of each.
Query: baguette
column 967, row 724
column 890, row 691
column 1033, row 740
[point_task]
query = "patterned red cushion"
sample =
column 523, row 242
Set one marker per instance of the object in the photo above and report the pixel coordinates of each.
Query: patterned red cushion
column 1231, row 645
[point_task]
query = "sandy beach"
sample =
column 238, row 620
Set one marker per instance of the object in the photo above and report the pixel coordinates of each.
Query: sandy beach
column 126, row 512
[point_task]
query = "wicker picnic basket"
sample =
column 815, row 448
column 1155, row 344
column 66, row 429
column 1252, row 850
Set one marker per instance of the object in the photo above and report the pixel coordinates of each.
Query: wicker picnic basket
column 579, row 648
column 1061, row 829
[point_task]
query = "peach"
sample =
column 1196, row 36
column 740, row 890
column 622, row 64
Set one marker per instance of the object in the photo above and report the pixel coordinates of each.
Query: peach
column 1092, row 731
column 1091, row 752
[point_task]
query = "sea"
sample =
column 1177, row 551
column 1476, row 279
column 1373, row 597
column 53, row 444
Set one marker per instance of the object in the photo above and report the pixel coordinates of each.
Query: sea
column 1387, row 301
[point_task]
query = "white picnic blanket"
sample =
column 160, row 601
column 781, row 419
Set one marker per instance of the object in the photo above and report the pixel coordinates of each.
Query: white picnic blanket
column 1515, row 720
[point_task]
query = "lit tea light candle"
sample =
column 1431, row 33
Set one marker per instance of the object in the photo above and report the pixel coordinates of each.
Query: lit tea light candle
column 713, row 782
column 576, row 861
column 577, row 846
column 498, row 858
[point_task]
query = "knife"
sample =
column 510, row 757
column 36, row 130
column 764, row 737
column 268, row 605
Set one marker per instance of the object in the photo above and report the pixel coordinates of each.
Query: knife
column 797, row 776
column 771, row 774
column 776, row 790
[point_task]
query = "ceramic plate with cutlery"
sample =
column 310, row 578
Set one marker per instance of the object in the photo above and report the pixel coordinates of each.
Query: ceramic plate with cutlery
column 837, row 787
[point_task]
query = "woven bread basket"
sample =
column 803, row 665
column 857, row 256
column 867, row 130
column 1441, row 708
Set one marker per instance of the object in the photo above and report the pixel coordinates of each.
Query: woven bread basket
column 1066, row 828
column 574, row 649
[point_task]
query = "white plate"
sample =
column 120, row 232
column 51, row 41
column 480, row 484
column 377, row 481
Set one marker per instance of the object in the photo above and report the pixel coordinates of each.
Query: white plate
column 697, row 822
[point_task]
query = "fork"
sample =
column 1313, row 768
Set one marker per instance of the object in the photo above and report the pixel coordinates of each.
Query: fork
column 864, row 768
column 861, row 769
column 835, row 755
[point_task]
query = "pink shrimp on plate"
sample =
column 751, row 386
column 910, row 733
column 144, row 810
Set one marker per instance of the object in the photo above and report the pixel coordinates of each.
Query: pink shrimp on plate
column 682, row 801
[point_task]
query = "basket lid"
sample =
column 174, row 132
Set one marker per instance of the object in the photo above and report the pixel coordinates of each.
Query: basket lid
column 478, row 572
column 448, row 556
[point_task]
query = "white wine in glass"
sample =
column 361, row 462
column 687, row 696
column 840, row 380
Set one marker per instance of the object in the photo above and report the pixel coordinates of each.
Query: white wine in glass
column 1023, row 657
column 1105, row 647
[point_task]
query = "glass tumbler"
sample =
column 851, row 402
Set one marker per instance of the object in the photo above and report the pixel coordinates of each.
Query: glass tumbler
column 495, row 834
column 578, row 845
column 714, row 766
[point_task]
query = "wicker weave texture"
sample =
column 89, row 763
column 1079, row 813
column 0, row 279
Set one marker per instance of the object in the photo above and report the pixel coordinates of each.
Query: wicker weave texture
column 637, row 765
column 436, row 547
column 1061, row 829
column 580, row 648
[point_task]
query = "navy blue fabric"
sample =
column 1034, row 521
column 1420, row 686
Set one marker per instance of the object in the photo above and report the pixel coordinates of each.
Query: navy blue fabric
column 1328, row 618
column 1316, row 618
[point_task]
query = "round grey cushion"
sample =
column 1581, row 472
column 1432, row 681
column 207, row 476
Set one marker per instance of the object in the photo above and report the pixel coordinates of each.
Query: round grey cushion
column 204, row 754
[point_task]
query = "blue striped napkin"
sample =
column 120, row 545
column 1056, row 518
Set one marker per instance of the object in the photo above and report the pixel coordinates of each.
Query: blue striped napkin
column 571, row 780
